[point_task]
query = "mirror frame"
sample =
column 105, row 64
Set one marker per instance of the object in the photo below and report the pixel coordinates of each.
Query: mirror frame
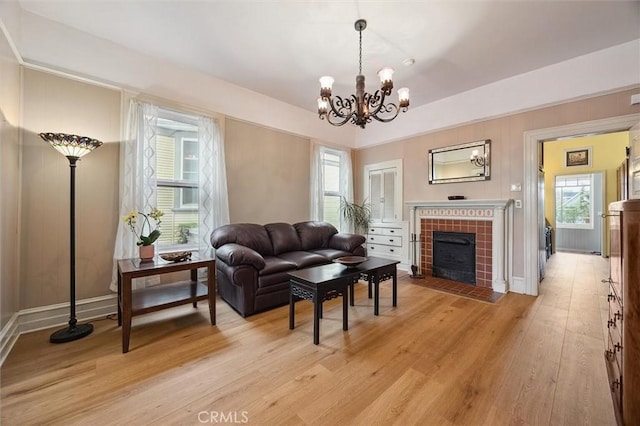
column 485, row 143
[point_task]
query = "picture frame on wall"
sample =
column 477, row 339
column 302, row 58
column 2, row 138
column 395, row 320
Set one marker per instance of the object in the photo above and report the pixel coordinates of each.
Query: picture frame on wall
column 577, row 157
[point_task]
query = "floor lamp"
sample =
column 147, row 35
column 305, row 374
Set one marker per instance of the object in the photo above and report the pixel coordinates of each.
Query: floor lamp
column 73, row 147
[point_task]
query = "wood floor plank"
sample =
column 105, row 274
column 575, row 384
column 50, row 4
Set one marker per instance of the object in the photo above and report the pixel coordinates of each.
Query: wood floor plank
column 435, row 359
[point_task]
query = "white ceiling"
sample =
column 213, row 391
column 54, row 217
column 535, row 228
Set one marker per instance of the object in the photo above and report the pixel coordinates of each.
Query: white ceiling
column 281, row 48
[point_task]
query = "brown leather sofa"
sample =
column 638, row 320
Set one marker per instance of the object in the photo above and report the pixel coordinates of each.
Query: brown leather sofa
column 252, row 260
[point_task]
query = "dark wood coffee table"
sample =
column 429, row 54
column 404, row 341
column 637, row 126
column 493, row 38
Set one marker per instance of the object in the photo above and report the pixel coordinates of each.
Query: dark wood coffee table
column 326, row 282
column 137, row 302
column 317, row 284
column 375, row 270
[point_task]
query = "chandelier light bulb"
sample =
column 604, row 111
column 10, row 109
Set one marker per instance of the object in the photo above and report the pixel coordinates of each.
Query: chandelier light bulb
column 323, row 106
column 326, row 82
column 403, row 97
column 386, row 75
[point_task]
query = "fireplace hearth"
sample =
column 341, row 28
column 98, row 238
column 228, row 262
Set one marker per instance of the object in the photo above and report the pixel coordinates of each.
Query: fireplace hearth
column 454, row 256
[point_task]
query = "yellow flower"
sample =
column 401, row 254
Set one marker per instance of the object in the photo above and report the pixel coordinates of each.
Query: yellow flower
column 144, row 240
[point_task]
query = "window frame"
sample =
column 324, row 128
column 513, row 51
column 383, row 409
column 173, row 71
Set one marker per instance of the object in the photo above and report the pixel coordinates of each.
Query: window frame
column 583, row 226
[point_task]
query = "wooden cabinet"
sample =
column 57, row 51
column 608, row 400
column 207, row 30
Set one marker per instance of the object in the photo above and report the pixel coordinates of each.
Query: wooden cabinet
column 390, row 241
column 623, row 324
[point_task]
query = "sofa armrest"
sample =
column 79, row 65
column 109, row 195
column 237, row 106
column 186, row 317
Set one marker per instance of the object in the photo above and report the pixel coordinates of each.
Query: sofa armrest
column 234, row 254
column 346, row 242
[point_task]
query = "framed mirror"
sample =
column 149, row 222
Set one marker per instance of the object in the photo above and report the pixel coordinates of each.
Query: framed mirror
column 467, row 162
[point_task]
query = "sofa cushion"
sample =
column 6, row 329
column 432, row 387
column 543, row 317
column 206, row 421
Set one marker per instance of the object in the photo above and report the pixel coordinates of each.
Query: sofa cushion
column 315, row 235
column 331, row 254
column 274, row 265
column 304, row 259
column 246, row 234
column 284, row 237
column 234, row 255
column 346, row 242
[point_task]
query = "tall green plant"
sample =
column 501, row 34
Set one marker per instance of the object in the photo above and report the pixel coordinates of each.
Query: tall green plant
column 358, row 215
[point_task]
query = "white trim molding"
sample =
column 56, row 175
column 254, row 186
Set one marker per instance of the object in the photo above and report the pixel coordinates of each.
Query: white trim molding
column 43, row 317
column 531, row 161
column 499, row 212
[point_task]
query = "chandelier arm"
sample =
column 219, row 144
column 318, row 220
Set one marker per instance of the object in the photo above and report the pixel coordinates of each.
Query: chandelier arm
column 375, row 101
column 338, row 105
column 389, row 108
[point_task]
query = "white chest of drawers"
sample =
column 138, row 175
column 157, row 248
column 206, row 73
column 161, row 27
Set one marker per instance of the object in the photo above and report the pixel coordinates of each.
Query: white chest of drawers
column 390, row 241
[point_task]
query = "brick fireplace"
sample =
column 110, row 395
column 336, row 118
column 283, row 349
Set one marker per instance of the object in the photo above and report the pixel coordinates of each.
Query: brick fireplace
column 491, row 221
column 481, row 229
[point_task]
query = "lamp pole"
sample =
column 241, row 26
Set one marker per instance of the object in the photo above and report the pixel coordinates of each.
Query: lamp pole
column 73, row 147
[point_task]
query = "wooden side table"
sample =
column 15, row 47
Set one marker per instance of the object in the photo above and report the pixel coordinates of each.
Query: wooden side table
column 142, row 301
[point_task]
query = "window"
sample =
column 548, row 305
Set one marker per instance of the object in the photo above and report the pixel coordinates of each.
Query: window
column 383, row 189
column 574, row 201
column 177, row 180
column 331, row 187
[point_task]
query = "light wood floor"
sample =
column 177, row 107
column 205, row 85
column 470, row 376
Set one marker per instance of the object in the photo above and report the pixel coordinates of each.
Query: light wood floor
column 435, row 359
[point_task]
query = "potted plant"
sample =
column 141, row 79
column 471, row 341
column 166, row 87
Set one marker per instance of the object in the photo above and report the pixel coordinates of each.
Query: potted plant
column 145, row 241
column 357, row 215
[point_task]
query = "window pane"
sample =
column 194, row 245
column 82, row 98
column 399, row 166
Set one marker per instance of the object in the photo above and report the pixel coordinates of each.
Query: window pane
column 332, row 210
column 573, row 201
column 177, row 164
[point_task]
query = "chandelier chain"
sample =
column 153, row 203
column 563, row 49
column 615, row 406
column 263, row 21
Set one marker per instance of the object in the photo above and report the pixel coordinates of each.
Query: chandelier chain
column 360, row 64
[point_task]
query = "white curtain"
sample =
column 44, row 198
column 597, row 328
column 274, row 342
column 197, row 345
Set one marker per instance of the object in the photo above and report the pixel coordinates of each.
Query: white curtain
column 317, row 181
column 346, row 185
column 212, row 194
column 137, row 177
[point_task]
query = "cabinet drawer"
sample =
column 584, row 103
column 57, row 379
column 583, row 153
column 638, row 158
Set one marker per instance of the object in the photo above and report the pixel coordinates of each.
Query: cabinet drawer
column 382, row 250
column 385, row 239
column 615, row 315
column 615, row 382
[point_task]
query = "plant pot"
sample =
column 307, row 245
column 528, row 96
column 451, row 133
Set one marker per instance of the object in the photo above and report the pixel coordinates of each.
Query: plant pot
column 146, row 252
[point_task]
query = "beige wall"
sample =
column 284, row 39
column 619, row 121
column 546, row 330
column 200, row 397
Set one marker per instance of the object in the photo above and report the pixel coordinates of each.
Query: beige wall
column 9, row 181
column 267, row 173
column 55, row 104
column 507, row 154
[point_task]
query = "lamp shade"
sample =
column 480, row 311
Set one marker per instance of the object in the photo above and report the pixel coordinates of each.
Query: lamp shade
column 71, row 145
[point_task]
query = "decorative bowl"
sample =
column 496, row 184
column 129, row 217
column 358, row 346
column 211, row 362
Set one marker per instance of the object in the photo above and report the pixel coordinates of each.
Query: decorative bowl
column 177, row 256
column 350, row 261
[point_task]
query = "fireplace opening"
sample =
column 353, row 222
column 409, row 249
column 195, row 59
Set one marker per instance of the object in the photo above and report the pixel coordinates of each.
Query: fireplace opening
column 454, row 256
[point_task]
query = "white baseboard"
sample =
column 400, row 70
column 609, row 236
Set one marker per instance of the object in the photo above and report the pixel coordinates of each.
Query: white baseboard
column 517, row 285
column 8, row 337
column 33, row 319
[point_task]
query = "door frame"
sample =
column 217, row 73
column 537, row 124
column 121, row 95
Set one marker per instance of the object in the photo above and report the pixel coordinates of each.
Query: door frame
column 531, row 161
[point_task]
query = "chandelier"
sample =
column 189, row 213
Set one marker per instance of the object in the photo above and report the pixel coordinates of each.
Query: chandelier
column 477, row 160
column 361, row 107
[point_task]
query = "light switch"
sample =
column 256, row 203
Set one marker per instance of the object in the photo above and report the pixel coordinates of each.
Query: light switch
column 518, row 204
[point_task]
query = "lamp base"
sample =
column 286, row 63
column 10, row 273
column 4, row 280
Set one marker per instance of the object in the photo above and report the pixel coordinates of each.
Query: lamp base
column 70, row 334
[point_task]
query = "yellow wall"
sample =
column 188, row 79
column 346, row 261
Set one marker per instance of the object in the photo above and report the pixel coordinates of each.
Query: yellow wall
column 607, row 151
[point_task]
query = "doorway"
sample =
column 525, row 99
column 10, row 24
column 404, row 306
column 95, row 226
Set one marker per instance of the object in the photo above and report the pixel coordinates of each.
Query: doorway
column 532, row 162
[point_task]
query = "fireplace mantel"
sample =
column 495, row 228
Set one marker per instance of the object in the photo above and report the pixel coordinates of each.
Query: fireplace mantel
column 499, row 212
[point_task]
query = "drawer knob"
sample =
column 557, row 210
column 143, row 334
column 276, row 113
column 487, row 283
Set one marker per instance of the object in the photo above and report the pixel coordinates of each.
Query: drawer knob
column 617, row 347
column 609, row 354
column 390, row 240
column 617, row 316
column 611, row 323
column 610, row 297
column 615, row 384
